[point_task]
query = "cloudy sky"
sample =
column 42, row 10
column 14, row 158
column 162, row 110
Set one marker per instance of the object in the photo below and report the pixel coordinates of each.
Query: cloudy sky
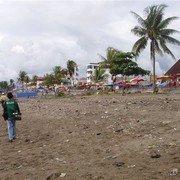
column 38, row 35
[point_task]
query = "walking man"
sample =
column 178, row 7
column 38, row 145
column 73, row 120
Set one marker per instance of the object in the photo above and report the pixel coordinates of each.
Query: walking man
column 10, row 107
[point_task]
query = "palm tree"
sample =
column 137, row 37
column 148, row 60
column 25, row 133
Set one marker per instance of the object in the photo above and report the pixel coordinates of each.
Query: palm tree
column 99, row 75
column 57, row 74
column 22, row 76
column 4, row 86
column 34, row 80
column 57, row 70
column 153, row 28
column 72, row 68
column 107, row 61
column 27, row 79
column 48, row 80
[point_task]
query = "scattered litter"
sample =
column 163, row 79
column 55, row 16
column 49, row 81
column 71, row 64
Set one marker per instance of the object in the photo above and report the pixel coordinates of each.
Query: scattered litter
column 27, row 140
column 131, row 166
column 62, row 175
column 118, row 130
column 95, row 122
column 118, row 164
column 53, row 176
column 110, row 157
column 152, row 146
column 155, row 154
column 172, row 144
column 19, row 167
column 174, row 172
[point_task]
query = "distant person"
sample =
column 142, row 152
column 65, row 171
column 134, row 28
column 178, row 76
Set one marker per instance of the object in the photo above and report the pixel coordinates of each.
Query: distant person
column 10, row 107
column 174, row 84
column 124, row 88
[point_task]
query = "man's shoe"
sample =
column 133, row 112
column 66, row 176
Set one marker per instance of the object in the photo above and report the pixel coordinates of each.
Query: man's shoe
column 11, row 140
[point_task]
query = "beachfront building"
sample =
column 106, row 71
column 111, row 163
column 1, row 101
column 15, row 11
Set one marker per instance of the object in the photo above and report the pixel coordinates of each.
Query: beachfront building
column 91, row 67
column 75, row 76
column 174, row 71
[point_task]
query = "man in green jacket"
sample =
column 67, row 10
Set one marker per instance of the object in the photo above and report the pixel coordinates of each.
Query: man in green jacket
column 10, row 107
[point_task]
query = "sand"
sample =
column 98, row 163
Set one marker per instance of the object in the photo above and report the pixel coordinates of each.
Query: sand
column 111, row 137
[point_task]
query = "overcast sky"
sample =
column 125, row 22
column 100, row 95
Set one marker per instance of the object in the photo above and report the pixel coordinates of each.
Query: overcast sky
column 38, row 35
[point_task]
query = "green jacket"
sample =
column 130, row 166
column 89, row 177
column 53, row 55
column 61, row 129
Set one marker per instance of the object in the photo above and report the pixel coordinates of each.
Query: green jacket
column 10, row 106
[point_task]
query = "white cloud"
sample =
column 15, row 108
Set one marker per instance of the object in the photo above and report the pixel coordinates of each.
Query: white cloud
column 18, row 49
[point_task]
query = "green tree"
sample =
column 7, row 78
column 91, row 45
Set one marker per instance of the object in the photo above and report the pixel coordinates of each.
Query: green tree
column 123, row 64
column 72, row 69
column 107, row 61
column 99, row 75
column 27, row 79
column 4, row 86
column 57, row 70
column 57, row 74
column 153, row 28
column 34, row 80
column 22, row 76
column 48, row 80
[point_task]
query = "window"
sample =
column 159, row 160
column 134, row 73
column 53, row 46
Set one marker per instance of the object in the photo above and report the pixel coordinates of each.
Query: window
column 89, row 67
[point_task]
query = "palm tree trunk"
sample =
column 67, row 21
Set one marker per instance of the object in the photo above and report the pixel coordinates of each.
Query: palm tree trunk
column 154, row 74
column 154, row 68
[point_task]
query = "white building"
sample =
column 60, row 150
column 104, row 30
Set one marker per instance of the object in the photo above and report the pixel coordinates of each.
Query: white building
column 91, row 67
column 75, row 76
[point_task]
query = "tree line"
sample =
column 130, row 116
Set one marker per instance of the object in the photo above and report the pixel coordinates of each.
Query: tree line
column 57, row 76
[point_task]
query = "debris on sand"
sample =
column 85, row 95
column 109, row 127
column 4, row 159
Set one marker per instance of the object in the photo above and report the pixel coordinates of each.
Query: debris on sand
column 118, row 164
column 155, row 154
column 174, row 172
column 118, row 130
column 56, row 175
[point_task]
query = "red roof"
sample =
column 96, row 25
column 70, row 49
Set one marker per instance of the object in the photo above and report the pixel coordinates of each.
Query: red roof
column 175, row 69
column 40, row 78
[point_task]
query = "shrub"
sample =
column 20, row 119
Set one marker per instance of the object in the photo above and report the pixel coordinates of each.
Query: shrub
column 89, row 93
column 60, row 94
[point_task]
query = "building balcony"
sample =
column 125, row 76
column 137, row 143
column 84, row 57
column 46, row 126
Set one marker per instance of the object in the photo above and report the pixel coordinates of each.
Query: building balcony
column 88, row 75
column 89, row 70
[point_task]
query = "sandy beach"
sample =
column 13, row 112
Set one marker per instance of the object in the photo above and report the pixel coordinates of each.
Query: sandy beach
column 111, row 137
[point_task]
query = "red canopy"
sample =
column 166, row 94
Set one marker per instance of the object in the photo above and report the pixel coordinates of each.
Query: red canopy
column 120, row 82
column 137, row 79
